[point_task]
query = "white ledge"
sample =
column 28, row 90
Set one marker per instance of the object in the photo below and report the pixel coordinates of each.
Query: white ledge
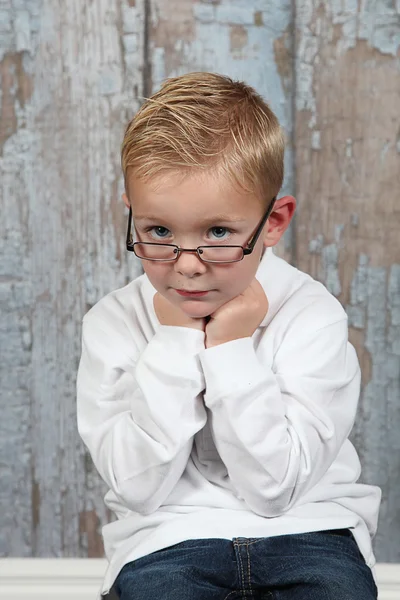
column 80, row 579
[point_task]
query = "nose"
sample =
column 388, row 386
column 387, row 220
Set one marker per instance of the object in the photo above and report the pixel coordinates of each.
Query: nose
column 189, row 264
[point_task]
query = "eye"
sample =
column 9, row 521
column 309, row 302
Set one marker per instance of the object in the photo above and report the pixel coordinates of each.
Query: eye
column 220, row 233
column 158, row 232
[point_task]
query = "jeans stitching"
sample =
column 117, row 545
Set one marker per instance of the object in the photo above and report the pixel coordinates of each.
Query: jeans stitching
column 248, row 543
column 241, row 567
column 341, row 540
column 249, row 570
column 230, row 594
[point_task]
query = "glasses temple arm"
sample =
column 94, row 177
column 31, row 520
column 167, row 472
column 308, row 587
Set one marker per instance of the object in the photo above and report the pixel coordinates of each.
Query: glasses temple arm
column 256, row 235
column 129, row 238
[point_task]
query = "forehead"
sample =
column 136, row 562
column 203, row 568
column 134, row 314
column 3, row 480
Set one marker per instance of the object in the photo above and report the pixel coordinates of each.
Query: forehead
column 191, row 199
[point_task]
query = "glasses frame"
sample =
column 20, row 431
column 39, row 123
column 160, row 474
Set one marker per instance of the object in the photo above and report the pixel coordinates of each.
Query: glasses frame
column 248, row 249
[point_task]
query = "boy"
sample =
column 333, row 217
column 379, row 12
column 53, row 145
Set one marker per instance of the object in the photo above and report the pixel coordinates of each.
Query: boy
column 217, row 391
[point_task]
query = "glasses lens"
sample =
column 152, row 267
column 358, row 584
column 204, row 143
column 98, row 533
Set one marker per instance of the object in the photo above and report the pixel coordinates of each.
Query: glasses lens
column 155, row 251
column 225, row 254
column 216, row 254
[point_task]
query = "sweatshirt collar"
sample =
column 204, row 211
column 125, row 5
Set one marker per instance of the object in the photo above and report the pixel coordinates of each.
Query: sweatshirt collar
column 278, row 279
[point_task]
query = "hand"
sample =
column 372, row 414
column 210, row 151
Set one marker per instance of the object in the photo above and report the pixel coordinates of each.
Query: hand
column 169, row 314
column 238, row 318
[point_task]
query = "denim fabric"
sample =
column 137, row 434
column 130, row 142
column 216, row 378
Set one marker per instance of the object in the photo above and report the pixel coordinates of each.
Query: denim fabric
column 310, row 566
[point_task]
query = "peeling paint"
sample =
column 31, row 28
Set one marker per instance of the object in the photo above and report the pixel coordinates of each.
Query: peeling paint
column 370, row 296
column 284, row 60
column 384, row 151
column 349, row 148
column 16, row 140
column 22, row 29
column 377, row 23
column 204, row 13
column 330, row 273
column 206, row 45
column 338, row 235
column 238, row 38
column 59, row 181
column 316, row 140
column 258, row 18
column 71, row 77
column 316, row 246
column 234, row 13
column 16, row 88
column 90, row 528
column 347, row 67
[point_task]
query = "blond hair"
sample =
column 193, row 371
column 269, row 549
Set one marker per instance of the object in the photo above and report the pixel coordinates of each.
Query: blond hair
column 207, row 121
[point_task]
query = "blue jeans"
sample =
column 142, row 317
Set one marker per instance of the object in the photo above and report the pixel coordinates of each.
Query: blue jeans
column 310, row 566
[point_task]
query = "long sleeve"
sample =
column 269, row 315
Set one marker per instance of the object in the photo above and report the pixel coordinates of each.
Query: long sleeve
column 138, row 413
column 278, row 427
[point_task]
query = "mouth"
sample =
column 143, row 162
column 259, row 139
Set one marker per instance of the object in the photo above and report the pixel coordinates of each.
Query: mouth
column 194, row 294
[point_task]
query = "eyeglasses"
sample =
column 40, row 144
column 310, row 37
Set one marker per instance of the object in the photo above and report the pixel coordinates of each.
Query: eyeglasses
column 208, row 254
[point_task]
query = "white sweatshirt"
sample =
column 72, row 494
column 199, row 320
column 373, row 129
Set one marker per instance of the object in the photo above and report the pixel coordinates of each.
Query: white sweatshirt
column 245, row 439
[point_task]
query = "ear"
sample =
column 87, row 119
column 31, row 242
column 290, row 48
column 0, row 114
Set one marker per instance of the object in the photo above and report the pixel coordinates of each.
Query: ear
column 279, row 220
column 126, row 200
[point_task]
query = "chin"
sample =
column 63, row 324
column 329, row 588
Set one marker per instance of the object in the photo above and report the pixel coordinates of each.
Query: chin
column 197, row 310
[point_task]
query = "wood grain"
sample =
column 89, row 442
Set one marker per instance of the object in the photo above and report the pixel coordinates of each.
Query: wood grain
column 249, row 41
column 68, row 94
column 347, row 235
column 72, row 74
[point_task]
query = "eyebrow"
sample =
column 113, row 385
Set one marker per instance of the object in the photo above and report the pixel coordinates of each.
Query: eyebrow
column 221, row 218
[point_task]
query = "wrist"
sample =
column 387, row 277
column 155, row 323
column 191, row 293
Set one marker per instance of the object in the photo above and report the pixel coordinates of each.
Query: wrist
column 209, row 343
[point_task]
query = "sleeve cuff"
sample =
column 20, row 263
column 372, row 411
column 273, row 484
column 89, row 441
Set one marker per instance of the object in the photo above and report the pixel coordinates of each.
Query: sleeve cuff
column 230, row 367
column 181, row 338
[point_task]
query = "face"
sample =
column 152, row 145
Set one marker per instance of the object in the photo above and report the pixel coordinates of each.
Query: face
column 198, row 211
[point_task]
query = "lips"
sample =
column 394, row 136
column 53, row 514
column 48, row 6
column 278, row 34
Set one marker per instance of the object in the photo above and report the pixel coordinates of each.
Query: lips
column 192, row 293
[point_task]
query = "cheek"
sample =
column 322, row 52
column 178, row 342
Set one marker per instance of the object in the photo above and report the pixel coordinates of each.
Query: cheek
column 157, row 274
column 235, row 279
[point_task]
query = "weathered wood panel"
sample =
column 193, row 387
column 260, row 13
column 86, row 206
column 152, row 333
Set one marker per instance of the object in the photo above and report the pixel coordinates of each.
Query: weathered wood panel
column 347, row 235
column 251, row 41
column 18, row 30
column 71, row 76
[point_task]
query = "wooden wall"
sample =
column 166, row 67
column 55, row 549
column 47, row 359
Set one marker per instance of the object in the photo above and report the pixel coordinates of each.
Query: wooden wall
column 72, row 74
